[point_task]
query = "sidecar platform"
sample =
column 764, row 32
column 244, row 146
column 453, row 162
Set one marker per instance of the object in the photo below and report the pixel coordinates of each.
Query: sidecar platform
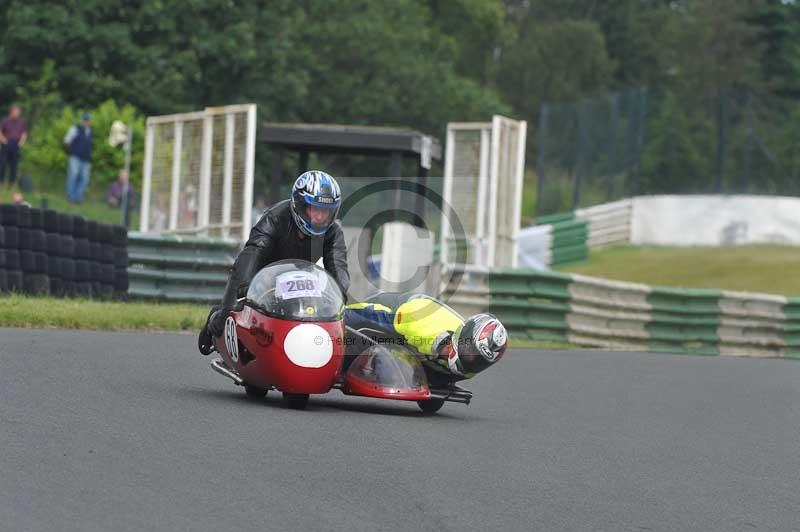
column 455, row 394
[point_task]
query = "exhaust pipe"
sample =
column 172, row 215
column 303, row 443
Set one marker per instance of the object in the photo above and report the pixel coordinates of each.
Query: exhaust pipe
column 218, row 365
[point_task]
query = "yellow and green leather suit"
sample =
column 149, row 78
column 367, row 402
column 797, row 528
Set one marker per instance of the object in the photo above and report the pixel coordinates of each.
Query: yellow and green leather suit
column 419, row 319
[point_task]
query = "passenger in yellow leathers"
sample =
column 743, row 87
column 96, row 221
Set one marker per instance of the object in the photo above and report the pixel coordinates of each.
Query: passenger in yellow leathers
column 465, row 347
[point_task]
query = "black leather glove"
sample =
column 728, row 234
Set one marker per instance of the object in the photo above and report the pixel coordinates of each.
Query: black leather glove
column 216, row 323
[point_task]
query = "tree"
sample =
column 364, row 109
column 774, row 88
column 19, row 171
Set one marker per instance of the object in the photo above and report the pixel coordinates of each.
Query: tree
column 679, row 150
column 554, row 61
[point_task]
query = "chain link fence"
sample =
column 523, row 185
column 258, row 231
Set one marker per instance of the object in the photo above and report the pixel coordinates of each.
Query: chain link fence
column 640, row 141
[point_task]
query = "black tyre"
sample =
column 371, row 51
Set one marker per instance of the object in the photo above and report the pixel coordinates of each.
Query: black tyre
column 79, row 227
column 40, row 262
column 96, row 271
column 56, row 287
column 83, row 289
column 67, row 269
column 38, row 240
column 255, row 392
column 37, row 218
column 9, row 215
column 65, row 224
column 24, row 217
column 36, row 284
column 53, row 266
column 108, row 254
column 430, row 406
column 13, row 280
column 66, row 247
column 91, row 233
column 82, row 271
column 83, row 249
column 106, row 292
column 53, row 244
column 11, row 236
column 107, row 274
column 50, row 218
column 27, row 261
column 24, row 238
column 96, row 251
column 296, row 401
column 120, row 257
column 121, row 279
column 12, row 259
column 70, row 288
column 120, row 237
column 105, row 233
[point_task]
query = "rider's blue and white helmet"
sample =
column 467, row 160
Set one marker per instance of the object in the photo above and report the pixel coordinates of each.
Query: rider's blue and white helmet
column 314, row 191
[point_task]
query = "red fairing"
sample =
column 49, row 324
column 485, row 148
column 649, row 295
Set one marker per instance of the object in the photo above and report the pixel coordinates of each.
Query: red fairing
column 295, row 357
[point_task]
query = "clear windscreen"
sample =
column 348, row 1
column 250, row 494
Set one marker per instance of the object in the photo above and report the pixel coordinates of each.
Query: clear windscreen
column 390, row 367
column 296, row 290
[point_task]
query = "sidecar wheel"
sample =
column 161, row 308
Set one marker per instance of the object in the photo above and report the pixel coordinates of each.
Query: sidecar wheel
column 430, row 406
column 254, row 392
column 297, row 401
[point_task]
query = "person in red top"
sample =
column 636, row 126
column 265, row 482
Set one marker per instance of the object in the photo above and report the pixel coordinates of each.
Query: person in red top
column 12, row 137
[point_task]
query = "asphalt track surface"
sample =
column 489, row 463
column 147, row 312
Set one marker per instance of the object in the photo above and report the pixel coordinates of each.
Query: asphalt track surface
column 119, row 432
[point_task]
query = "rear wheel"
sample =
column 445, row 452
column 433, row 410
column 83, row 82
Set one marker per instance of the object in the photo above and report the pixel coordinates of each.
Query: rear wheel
column 297, row 401
column 430, row 406
column 254, row 392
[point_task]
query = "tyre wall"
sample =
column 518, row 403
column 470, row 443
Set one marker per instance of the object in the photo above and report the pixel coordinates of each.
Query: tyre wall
column 45, row 252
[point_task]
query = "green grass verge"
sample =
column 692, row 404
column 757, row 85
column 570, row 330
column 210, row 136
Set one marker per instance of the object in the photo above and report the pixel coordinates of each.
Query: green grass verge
column 762, row 268
column 45, row 312
column 50, row 312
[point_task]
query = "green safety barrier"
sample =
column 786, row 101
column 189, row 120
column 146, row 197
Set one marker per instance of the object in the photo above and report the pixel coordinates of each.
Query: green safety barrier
column 175, row 268
column 546, row 305
column 569, row 237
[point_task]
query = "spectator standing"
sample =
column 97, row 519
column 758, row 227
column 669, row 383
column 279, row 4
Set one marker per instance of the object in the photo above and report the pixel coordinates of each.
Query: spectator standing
column 13, row 135
column 78, row 143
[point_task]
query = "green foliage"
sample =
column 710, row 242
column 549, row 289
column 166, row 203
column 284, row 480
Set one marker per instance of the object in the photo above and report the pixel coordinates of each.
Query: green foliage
column 557, row 61
column 45, row 158
column 408, row 63
column 681, row 147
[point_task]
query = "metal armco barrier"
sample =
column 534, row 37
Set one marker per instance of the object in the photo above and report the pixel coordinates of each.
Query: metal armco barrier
column 585, row 311
column 567, row 238
column 609, row 223
column 179, row 268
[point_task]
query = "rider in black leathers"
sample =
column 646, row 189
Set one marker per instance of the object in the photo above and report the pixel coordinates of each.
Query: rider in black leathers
column 283, row 232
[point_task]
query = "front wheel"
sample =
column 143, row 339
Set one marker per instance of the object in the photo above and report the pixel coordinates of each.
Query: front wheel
column 430, row 406
column 297, row 401
column 253, row 392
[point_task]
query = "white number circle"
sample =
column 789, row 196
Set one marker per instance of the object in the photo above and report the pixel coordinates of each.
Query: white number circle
column 231, row 341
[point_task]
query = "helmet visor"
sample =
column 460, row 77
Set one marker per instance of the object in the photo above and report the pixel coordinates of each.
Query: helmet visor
column 318, row 217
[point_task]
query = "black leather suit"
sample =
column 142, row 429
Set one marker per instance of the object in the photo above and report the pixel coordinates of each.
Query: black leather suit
column 275, row 237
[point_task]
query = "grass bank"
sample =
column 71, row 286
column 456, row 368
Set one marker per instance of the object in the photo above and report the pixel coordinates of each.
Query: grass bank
column 50, row 312
column 94, row 207
column 763, row 268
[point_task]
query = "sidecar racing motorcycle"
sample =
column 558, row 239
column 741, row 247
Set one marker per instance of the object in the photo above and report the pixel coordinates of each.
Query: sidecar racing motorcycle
column 288, row 334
